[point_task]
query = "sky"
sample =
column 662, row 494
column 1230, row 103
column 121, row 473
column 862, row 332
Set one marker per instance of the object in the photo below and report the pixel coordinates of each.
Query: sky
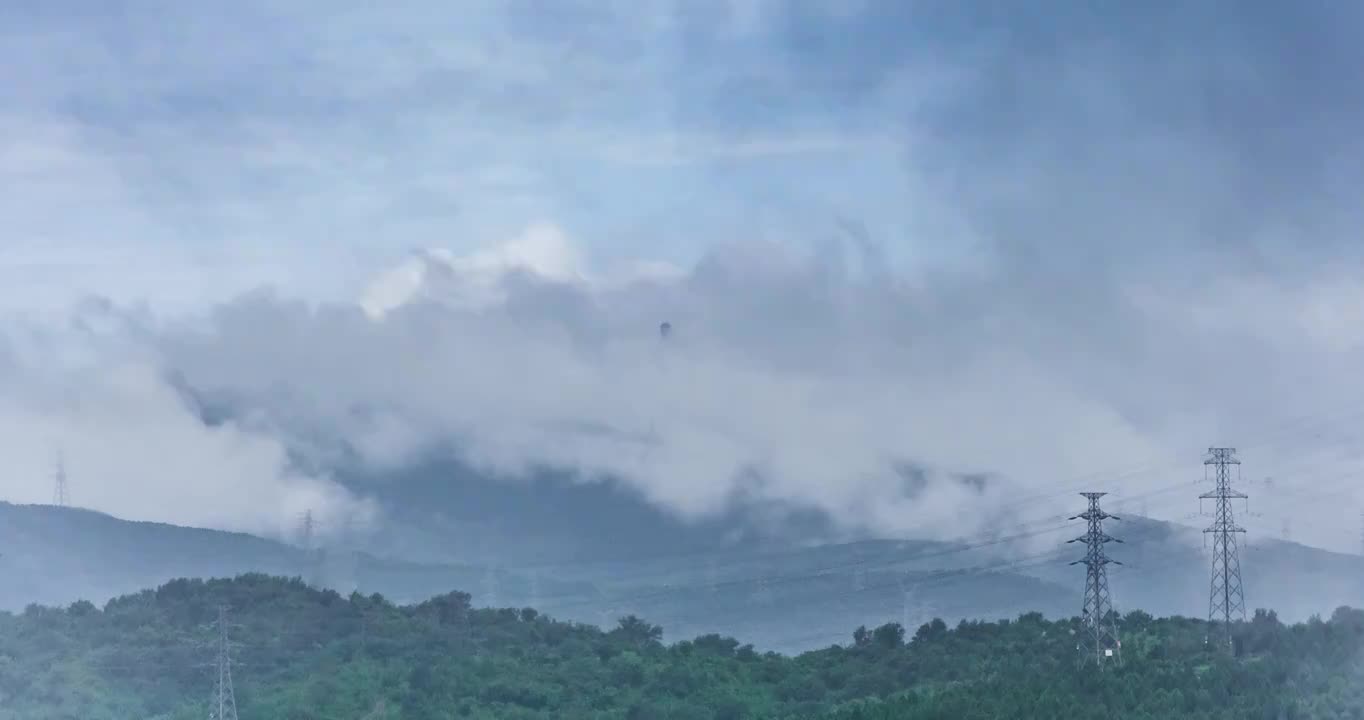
column 1055, row 245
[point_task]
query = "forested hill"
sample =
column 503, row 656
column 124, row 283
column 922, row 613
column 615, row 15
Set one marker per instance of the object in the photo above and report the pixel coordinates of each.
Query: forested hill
column 307, row 654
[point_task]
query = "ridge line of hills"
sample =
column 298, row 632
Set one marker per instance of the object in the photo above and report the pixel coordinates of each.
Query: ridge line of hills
column 300, row 652
column 55, row 556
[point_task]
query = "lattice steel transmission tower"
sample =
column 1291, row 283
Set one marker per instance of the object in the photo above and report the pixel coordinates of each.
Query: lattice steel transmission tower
column 312, row 553
column 1098, row 617
column 1226, row 598
column 490, row 587
column 307, row 527
column 60, row 495
column 224, row 698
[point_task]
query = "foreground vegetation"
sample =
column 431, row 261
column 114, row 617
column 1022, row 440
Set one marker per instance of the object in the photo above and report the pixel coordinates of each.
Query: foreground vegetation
column 311, row 655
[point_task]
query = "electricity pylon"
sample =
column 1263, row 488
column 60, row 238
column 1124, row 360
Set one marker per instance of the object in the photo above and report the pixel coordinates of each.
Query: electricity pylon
column 224, row 698
column 60, row 495
column 312, row 552
column 490, row 587
column 1361, row 532
column 1226, row 597
column 306, row 527
column 534, row 582
column 1098, row 616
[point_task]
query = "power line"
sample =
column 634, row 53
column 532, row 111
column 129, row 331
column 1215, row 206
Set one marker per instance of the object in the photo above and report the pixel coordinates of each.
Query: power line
column 1269, row 435
column 1226, row 597
column 1098, row 616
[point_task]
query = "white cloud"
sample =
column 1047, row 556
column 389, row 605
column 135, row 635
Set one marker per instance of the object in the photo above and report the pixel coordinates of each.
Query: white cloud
column 786, row 381
column 791, row 379
column 1091, row 194
column 134, row 449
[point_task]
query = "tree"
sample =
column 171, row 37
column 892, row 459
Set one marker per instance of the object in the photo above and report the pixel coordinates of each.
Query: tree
column 890, row 635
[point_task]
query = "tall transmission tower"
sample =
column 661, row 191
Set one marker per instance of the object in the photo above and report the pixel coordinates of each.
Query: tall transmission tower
column 1226, row 598
column 534, row 599
column 306, row 527
column 224, row 698
column 762, row 593
column 906, row 594
column 60, row 495
column 1098, row 617
column 490, row 587
column 312, row 553
column 608, row 614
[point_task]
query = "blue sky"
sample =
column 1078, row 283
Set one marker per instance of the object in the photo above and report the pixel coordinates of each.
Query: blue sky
column 265, row 136
column 260, row 133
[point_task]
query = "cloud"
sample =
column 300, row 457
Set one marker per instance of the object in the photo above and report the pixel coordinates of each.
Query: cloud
column 146, row 143
column 1089, row 241
column 789, row 380
column 792, row 378
column 132, row 447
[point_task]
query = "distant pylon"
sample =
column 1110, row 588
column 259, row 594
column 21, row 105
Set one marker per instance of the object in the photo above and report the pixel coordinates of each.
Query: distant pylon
column 608, row 615
column 306, row 527
column 907, row 614
column 1098, row 616
column 1226, row 598
column 534, row 600
column 762, row 595
column 60, row 495
column 915, row 609
column 490, row 586
column 312, row 554
column 224, row 698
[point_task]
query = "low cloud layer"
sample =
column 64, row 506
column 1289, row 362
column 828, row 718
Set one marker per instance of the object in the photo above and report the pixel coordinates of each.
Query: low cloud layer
column 789, row 378
column 91, row 403
column 1056, row 250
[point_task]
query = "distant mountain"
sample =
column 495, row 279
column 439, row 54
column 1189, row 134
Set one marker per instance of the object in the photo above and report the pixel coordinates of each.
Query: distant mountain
column 1167, row 571
column 782, row 597
column 443, row 511
column 56, row 555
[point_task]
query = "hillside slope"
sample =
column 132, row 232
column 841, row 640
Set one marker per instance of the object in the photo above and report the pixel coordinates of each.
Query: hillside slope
column 59, row 555
column 56, row 556
column 303, row 653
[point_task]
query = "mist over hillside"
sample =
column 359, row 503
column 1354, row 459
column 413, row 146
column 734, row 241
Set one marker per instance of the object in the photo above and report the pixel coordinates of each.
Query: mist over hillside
column 280, row 649
column 781, row 596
